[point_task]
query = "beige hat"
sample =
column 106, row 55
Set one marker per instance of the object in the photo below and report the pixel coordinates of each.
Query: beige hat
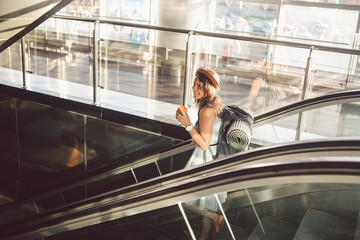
column 211, row 75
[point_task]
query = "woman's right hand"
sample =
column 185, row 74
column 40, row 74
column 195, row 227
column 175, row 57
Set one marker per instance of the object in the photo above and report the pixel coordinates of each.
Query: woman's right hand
column 183, row 117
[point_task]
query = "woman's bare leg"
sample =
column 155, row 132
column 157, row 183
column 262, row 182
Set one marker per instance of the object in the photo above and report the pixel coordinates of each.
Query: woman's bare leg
column 254, row 91
column 206, row 228
column 207, row 214
column 209, row 219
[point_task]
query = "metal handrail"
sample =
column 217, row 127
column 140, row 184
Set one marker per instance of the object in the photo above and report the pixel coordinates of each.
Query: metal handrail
column 218, row 35
column 189, row 32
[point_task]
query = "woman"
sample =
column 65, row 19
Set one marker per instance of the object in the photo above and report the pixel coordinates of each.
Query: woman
column 205, row 135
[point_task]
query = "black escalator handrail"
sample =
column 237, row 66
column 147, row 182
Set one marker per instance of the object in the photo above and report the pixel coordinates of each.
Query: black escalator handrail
column 257, row 167
column 308, row 104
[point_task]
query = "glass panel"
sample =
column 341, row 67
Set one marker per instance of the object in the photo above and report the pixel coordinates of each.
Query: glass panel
column 14, row 214
column 349, row 119
column 330, row 73
column 289, row 211
column 11, row 57
column 131, row 61
column 324, row 25
column 353, row 77
column 339, row 120
column 9, row 170
column 262, row 76
column 333, row 121
column 126, row 10
column 51, row 142
column 353, row 2
column 280, row 131
column 138, row 61
column 135, row 171
column 82, row 8
column 59, row 51
column 242, row 17
column 334, row 72
column 165, row 223
column 10, row 64
column 110, row 143
column 175, row 162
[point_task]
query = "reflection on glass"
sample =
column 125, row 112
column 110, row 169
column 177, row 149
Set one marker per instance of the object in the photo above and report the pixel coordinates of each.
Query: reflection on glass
column 289, row 211
column 133, row 63
column 320, row 24
column 280, row 131
column 331, row 121
column 10, row 64
column 333, row 1
column 109, row 143
column 51, row 150
column 329, row 77
column 261, row 76
column 9, row 170
column 151, row 64
column 211, row 211
column 334, row 121
column 237, row 17
column 51, row 141
column 24, row 211
column 61, row 50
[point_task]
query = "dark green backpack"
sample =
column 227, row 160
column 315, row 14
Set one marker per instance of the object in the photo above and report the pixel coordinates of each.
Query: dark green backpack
column 235, row 130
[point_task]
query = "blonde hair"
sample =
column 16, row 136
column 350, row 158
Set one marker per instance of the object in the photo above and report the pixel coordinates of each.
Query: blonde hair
column 210, row 96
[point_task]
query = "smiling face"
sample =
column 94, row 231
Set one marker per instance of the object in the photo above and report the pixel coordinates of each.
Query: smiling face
column 198, row 89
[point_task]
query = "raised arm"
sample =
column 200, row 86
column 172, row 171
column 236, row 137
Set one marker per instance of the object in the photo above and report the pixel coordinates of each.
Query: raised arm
column 206, row 121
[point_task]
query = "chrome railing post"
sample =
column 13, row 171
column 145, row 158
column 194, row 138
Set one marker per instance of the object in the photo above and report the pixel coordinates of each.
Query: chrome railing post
column 225, row 217
column 186, row 221
column 23, row 63
column 304, row 95
column 85, row 154
column 255, row 212
column 270, row 49
column 352, row 61
column 95, row 61
column 187, row 70
column 17, row 129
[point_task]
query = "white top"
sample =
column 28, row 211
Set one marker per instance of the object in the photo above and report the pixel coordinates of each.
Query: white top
column 197, row 156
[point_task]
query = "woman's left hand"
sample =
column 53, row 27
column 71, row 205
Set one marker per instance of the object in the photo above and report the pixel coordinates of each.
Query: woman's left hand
column 183, row 118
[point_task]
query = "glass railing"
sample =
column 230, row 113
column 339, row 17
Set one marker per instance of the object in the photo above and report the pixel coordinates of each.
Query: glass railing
column 44, row 146
column 279, row 192
column 332, row 115
column 111, row 60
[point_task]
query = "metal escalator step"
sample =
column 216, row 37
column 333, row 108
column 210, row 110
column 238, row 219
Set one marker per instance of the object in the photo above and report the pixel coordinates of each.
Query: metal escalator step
column 321, row 225
column 274, row 228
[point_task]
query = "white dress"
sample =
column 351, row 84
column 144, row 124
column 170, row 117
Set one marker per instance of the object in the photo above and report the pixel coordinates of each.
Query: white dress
column 200, row 156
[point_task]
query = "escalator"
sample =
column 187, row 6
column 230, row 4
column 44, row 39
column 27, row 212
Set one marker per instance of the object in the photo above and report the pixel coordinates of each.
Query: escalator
column 55, row 208
column 310, row 196
column 44, row 148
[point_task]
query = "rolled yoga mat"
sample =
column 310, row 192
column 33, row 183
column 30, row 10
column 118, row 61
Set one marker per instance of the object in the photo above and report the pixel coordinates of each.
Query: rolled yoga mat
column 239, row 134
